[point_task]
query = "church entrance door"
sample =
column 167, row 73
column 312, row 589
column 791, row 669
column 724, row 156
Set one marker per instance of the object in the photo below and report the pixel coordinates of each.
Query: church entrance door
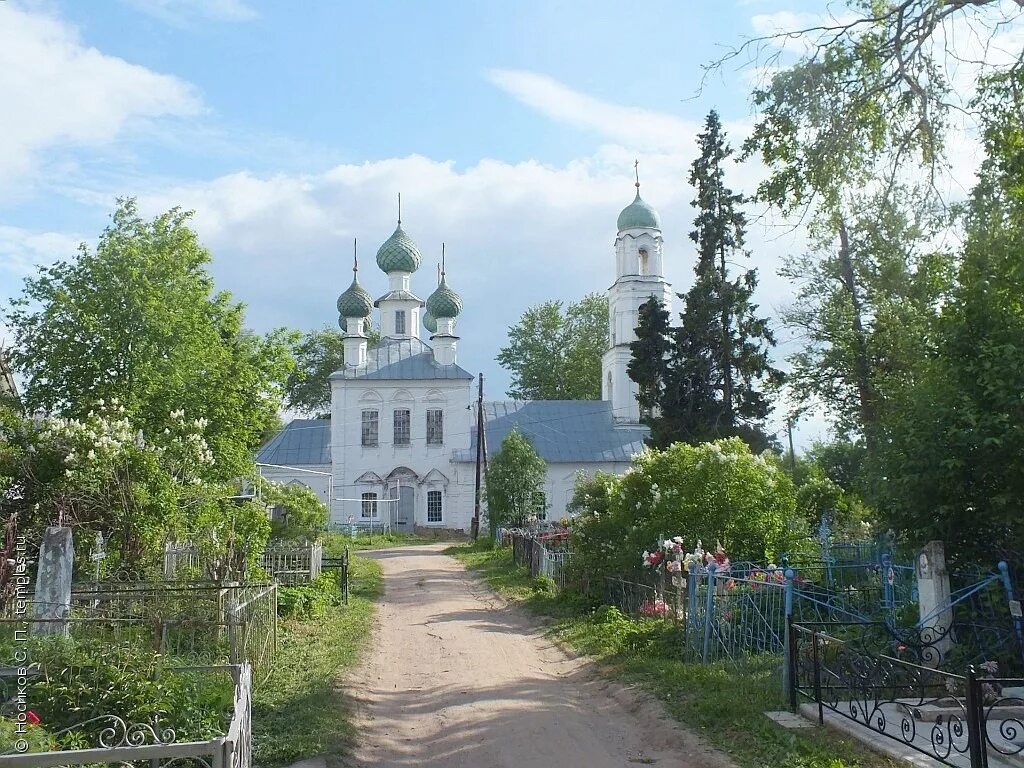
column 404, row 515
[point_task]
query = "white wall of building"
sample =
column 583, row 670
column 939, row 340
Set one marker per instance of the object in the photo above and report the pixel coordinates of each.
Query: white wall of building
column 360, row 469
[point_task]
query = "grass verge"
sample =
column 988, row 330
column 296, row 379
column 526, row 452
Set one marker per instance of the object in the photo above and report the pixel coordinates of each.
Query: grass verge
column 725, row 702
column 336, row 542
column 299, row 711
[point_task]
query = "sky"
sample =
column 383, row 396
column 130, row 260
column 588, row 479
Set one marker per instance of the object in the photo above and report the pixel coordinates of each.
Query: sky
column 510, row 129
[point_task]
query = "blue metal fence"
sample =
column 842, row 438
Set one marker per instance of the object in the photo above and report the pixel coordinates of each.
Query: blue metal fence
column 730, row 617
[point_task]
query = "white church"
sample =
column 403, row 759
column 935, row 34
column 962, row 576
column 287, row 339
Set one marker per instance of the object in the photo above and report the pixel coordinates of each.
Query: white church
column 399, row 450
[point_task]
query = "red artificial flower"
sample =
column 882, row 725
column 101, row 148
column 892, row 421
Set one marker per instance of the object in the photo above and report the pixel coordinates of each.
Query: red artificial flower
column 32, row 718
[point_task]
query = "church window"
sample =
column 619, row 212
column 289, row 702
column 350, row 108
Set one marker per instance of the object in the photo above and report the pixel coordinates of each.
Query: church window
column 434, row 508
column 371, row 421
column 435, row 426
column 400, row 322
column 401, row 426
column 643, row 261
column 369, row 508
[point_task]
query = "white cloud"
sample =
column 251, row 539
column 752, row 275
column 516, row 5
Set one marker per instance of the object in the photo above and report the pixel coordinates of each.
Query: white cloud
column 634, row 126
column 22, row 250
column 516, row 233
column 58, row 93
column 182, row 12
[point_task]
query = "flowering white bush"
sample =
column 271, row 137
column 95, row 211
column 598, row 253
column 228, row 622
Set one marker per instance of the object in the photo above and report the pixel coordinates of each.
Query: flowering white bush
column 102, row 474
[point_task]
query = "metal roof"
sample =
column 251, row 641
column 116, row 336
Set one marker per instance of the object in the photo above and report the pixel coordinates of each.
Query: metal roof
column 399, row 295
column 408, row 358
column 301, row 442
column 560, row 430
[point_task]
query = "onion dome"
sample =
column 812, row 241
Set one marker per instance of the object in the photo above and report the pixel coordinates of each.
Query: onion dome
column 638, row 215
column 429, row 322
column 356, row 300
column 444, row 302
column 399, row 253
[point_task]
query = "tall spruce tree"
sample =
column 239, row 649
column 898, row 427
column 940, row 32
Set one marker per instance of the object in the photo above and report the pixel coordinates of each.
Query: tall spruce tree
column 710, row 383
column 649, row 366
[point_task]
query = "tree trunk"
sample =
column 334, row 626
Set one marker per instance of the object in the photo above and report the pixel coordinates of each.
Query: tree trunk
column 862, row 368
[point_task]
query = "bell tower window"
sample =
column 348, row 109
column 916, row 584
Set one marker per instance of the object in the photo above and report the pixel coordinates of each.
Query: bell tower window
column 400, row 322
column 643, row 261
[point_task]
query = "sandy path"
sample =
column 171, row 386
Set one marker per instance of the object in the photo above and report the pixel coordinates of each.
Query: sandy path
column 458, row 678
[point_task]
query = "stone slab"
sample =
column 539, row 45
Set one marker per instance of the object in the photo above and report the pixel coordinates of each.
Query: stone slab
column 789, row 719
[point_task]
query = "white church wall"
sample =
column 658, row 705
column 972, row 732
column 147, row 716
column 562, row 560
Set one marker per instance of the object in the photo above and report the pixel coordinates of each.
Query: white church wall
column 360, row 469
column 559, row 486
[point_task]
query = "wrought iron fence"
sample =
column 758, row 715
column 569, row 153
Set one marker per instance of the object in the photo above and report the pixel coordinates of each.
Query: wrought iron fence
column 540, row 552
column 341, row 565
column 965, row 719
column 146, row 745
column 730, row 617
column 286, row 562
column 641, row 600
column 293, row 563
column 191, row 623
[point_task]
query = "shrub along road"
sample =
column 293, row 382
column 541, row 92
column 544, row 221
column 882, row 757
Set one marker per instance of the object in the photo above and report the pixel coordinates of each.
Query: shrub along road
column 458, row 677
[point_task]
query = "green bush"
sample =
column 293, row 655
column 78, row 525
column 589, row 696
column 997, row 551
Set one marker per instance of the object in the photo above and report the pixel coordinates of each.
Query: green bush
column 544, row 585
column 713, row 492
column 37, row 737
column 303, row 515
column 82, row 680
column 306, row 601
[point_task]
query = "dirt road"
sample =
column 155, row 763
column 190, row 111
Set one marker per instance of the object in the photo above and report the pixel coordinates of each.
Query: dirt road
column 458, row 678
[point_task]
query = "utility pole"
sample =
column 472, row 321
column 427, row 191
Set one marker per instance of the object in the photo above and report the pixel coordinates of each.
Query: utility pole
column 480, row 457
column 792, row 455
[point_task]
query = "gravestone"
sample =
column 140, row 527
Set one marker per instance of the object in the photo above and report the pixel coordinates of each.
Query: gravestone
column 933, row 600
column 53, row 582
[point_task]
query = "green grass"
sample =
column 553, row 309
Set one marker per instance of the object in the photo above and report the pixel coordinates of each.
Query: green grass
column 300, row 710
column 725, row 702
column 336, row 542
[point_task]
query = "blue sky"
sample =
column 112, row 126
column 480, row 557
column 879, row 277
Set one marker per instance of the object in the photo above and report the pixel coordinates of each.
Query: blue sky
column 289, row 127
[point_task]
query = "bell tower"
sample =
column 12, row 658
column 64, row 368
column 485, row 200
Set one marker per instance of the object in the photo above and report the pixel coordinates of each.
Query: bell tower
column 639, row 275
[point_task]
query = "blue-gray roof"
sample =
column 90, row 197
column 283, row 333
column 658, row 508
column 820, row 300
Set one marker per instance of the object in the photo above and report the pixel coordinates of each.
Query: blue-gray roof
column 560, row 430
column 407, row 358
column 301, row 442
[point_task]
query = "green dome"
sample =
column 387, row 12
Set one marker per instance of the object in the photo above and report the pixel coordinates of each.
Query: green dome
column 429, row 322
column 444, row 302
column 355, row 302
column 639, row 215
column 399, row 253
